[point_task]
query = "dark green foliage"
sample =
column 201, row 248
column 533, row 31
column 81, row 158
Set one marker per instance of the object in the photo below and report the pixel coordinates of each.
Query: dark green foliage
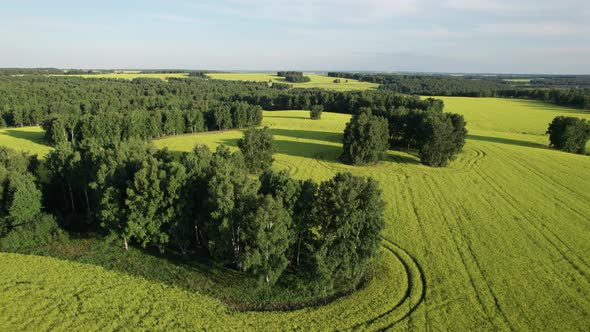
column 316, row 112
column 267, row 240
column 294, row 76
column 20, row 199
column 282, row 187
column 149, row 108
column 257, row 147
column 349, row 214
column 365, row 139
column 573, row 91
column 441, row 138
column 231, row 196
column 43, row 229
column 569, row 134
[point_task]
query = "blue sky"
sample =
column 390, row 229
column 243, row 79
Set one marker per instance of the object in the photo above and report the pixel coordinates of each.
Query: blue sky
column 507, row 36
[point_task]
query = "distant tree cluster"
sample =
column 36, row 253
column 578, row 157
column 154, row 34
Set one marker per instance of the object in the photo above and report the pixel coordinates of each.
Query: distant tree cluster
column 571, row 91
column 429, row 85
column 294, row 76
column 569, row 134
column 563, row 97
column 438, row 137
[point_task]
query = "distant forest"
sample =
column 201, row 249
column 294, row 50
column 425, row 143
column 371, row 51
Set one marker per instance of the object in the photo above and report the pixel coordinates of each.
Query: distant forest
column 572, row 91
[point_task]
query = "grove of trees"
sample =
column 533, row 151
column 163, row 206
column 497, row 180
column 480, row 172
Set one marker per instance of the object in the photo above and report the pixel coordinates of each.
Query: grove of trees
column 227, row 206
column 438, row 137
column 294, row 76
column 569, row 134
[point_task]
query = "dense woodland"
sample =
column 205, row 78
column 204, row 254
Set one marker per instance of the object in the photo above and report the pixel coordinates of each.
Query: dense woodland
column 168, row 108
column 563, row 91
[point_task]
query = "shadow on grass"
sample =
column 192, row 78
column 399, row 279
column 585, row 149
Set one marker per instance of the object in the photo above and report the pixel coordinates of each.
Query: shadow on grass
column 35, row 137
column 308, row 134
column 506, row 141
column 300, row 149
column 193, row 272
column 287, row 117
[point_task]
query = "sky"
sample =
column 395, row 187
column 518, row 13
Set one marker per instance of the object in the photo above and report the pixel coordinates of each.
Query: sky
column 477, row 36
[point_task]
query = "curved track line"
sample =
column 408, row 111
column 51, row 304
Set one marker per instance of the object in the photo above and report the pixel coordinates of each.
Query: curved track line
column 413, row 297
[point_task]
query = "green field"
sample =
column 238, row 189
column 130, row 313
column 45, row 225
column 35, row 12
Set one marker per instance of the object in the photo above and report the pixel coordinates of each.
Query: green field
column 29, row 139
column 129, row 75
column 499, row 240
column 317, row 81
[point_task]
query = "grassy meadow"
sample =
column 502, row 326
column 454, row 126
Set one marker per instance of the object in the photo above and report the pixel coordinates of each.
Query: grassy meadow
column 29, row 139
column 129, row 75
column 317, row 81
column 499, row 240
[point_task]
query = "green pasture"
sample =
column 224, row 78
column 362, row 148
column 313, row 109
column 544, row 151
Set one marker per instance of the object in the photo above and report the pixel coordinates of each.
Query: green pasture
column 29, row 139
column 499, row 240
column 129, row 75
column 317, row 81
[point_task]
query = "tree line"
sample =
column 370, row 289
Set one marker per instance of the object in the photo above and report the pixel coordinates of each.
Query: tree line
column 563, row 91
column 114, row 126
column 30, row 100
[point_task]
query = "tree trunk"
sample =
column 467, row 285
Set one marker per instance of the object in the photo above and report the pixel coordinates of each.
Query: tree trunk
column 88, row 210
column 299, row 249
column 72, row 197
column 126, row 246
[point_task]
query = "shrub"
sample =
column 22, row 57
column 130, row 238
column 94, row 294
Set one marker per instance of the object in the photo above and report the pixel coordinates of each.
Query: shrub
column 43, row 230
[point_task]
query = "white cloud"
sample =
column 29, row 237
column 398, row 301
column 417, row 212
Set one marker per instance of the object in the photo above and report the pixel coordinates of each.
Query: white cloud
column 310, row 11
column 541, row 29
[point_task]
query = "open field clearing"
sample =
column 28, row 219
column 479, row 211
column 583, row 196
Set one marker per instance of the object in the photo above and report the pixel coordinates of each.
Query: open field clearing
column 498, row 240
column 317, row 81
column 29, row 139
column 129, row 75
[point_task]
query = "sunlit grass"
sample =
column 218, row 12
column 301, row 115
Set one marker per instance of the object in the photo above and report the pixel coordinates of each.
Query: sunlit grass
column 317, row 81
column 496, row 241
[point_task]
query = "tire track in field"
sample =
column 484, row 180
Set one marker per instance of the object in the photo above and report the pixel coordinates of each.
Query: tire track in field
column 413, row 297
column 467, row 255
column 540, row 226
column 509, row 199
column 292, row 168
column 572, row 194
column 530, row 168
column 412, row 200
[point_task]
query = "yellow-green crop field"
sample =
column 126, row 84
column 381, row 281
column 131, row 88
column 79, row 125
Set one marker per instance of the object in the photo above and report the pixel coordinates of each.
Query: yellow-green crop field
column 499, row 240
column 317, row 81
column 129, row 75
column 29, row 139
